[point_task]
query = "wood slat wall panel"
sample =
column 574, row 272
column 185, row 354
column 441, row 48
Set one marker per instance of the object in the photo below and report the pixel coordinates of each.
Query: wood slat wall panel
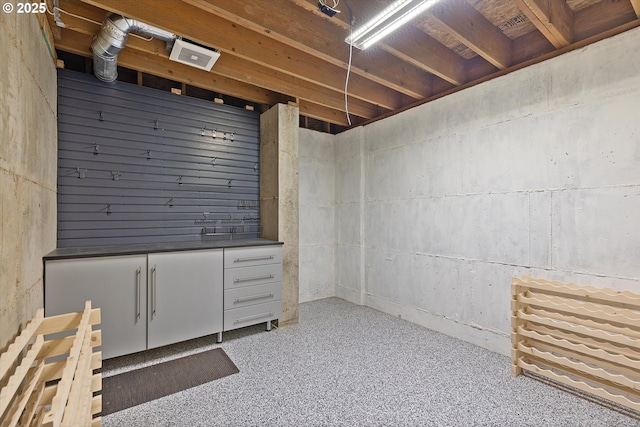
column 138, row 165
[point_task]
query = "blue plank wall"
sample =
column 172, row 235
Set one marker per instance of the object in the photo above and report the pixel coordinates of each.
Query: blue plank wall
column 138, row 165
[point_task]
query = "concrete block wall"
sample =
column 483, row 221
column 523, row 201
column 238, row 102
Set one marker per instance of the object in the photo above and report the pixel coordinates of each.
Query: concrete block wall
column 317, row 215
column 536, row 172
column 28, row 152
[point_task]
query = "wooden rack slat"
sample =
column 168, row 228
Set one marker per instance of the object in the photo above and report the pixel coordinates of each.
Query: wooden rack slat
column 586, row 292
column 580, row 385
column 32, row 396
column 584, row 337
column 571, row 324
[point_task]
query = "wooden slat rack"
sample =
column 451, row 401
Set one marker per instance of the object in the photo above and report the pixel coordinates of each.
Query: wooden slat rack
column 579, row 336
column 48, row 372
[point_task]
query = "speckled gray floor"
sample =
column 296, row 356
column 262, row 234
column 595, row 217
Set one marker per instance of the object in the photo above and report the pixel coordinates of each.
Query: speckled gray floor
column 346, row 365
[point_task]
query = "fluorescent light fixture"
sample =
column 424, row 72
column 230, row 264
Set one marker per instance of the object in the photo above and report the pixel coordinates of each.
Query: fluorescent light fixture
column 390, row 19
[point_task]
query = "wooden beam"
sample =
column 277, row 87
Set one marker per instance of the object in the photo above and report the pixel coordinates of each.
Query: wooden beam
column 315, row 111
column 474, row 30
column 419, row 49
column 518, row 66
column 602, row 17
column 246, row 71
column 554, row 19
column 241, row 72
column 416, row 47
column 231, row 77
column 141, row 61
column 526, row 47
column 636, row 7
column 234, row 40
column 297, row 27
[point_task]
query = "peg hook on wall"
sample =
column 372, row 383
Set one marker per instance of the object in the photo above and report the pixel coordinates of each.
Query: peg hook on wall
column 106, row 209
column 82, row 173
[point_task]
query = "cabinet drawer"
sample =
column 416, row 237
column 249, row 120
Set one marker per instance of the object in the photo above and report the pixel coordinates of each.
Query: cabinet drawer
column 246, row 257
column 250, row 315
column 249, row 276
column 251, row 295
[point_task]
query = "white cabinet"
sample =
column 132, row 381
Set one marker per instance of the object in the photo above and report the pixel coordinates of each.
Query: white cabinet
column 117, row 285
column 154, row 299
column 252, row 286
column 185, row 295
column 146, row 301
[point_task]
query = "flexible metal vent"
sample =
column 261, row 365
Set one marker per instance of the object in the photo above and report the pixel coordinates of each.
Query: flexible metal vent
column 112, row 38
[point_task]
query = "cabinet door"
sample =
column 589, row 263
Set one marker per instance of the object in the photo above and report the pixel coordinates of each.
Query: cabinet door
column 116, row 285
column 185, row 295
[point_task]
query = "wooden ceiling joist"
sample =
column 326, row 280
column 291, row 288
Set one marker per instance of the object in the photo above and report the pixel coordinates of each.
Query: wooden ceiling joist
column 554, row 19
column 328, row 115
column 162, row 67
column 289, row 26
column 601, row 17
column 415, row 48
column 151, row 58
column 232, row 39
column 636, row 7
column 287, row 50
column 424, row 52
column 471, row 28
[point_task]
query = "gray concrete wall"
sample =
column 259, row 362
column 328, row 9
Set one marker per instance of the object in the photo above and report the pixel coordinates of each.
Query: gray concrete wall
column 317, row 215
column 536, row 172
column 28, row 144
column 350, row 185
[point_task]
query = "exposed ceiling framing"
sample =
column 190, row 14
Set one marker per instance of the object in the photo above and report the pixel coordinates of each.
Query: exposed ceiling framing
column 287, row 51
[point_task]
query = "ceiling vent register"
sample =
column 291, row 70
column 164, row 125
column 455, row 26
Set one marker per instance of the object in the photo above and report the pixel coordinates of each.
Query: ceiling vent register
column 193, row 55
column 112, row 38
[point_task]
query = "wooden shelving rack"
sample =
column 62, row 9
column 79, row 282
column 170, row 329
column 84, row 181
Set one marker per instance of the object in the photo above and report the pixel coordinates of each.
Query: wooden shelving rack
column 583, row 337
column 48, row 372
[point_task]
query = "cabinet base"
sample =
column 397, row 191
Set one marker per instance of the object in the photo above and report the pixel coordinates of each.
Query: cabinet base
column 219, row 334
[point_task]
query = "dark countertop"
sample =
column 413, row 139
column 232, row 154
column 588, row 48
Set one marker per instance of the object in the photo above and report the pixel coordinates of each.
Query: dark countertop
column 146, row 248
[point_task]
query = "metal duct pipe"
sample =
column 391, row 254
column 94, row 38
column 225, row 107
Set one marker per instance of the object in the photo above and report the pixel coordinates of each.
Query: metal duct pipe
column 112, row 38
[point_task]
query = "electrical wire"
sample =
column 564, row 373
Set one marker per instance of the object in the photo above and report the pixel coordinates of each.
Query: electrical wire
column 88, row 20
column 335, row 3
column 346, row 81
column 70, row 14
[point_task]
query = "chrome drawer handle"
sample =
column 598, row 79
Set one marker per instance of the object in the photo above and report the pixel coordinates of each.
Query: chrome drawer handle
column 249, row 279
column 138, row 286
column 255, row 258
column 255, row 317
column 252, row 297
column 154, row 290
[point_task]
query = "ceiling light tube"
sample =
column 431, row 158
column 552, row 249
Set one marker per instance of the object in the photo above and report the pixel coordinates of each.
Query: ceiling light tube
column 390, row 19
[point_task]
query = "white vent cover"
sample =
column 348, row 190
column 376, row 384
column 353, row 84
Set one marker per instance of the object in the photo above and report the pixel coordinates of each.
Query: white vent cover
column 194, row 55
